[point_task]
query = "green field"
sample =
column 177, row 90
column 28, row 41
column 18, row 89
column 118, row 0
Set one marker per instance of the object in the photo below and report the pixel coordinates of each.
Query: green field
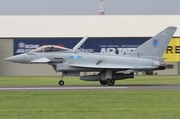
column 90, row 105
column 44, row 81
column 87, row 104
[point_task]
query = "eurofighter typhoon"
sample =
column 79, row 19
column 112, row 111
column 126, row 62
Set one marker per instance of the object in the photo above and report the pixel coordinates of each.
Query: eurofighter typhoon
column 147, row 57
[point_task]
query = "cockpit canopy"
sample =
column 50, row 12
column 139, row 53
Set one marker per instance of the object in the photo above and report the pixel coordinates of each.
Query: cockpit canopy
column 49, row 48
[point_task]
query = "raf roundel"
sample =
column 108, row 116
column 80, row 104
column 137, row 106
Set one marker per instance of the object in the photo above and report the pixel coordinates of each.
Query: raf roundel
column 21, row 45
column 155, row 42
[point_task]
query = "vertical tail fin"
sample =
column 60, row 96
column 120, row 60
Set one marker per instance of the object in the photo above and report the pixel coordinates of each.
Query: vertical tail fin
column 157, row 44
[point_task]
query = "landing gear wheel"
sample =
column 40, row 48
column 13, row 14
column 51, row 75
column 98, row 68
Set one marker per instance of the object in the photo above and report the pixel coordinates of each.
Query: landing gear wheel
column 110, row 82
column 102, row 82
column 61, row 82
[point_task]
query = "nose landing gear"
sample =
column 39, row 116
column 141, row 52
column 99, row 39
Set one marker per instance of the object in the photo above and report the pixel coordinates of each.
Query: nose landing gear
column 61, row 82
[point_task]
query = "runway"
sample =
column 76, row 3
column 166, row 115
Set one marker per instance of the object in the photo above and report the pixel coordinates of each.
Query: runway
column 116, row 87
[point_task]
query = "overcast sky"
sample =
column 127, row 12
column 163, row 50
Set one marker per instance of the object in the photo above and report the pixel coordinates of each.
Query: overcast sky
column 89, row 7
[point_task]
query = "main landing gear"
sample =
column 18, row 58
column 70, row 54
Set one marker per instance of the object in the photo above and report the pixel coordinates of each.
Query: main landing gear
column 102, row 82
column 61, row 82
column 109, row 82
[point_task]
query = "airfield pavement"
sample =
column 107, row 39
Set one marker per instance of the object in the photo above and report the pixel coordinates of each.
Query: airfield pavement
column 115, row 87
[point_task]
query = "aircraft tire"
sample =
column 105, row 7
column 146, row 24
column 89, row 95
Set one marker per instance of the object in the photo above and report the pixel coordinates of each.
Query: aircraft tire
column 110, row 82
column 61, row 82
column 102, row 82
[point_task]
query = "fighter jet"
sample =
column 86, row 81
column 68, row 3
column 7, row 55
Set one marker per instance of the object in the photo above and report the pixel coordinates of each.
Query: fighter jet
column 110, row 67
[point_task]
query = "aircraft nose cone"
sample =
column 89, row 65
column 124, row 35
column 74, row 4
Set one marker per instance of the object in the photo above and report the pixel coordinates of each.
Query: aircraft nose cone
column 17, row 58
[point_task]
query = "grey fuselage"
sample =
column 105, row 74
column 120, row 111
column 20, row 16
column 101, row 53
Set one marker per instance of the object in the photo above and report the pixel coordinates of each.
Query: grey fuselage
column 62, row 60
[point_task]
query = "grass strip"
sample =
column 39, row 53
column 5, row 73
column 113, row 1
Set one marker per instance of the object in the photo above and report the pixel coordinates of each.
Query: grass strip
column 53, row 81
column 96, row 104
